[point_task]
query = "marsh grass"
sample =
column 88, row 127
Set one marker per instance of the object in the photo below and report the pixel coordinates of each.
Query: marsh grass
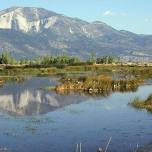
column 18, row 79
column 142, row 104
column 97, row 77
column 97, row 84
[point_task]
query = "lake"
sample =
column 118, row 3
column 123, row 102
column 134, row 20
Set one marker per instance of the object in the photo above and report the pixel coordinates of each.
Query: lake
column 32, row 119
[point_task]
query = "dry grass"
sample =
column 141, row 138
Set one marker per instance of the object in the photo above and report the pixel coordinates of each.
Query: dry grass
column 97, row 84
column 142, row 104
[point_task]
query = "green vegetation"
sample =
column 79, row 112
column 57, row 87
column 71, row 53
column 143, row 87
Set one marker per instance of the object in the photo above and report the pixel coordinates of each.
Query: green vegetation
column 46, row 60
column 96, row 75
column 6, row 58
column 106, row 60
column 142, row 104
column 59, row 60
column 74, row 72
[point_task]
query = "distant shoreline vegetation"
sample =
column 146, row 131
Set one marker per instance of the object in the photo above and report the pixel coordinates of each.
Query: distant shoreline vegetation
column 5, row 58
column 63, row 60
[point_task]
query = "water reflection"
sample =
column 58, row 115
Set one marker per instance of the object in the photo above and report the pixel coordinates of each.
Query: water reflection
column 27, row 99
column 91, row 122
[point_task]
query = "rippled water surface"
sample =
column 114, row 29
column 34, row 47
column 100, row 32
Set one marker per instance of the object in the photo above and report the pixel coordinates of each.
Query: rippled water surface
column 32, row 119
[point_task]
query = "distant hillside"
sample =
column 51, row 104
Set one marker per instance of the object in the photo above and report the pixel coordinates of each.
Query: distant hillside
column 29, row 32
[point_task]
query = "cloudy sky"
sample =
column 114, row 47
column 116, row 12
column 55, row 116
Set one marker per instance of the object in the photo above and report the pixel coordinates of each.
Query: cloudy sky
column 132, row 15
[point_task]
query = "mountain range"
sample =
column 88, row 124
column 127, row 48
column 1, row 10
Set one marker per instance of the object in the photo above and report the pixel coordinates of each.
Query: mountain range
column 29, row 32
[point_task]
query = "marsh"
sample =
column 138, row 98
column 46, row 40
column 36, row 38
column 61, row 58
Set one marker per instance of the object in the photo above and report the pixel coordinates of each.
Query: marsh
column 36, row 119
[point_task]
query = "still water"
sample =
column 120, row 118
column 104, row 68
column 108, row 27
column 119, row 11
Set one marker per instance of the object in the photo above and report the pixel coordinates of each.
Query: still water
column 32, row 119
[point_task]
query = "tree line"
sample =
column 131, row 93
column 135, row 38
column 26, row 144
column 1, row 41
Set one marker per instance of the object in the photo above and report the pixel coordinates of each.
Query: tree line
column 5, row 58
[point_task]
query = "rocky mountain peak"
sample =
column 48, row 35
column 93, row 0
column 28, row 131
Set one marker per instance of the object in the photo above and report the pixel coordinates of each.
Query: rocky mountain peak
column 24, row 18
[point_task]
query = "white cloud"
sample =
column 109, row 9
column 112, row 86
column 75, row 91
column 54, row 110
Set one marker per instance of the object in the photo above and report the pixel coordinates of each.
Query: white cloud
column 108, row 13
column 112, row 13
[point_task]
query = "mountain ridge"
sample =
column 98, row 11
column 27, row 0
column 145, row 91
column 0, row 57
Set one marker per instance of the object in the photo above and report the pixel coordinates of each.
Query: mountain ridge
column 30, row 31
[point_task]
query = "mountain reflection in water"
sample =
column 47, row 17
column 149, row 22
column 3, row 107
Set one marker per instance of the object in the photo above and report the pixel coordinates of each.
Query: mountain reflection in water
column 28, row 99
column 89, row 119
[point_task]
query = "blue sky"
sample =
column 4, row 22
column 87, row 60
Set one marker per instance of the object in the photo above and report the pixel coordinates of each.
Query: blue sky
column 132, row 15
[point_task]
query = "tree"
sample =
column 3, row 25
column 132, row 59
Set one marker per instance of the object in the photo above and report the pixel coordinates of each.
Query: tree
column 106, row 60
column 46, row 60
column 5, row 58
column 24, row 61
column 74, row 60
